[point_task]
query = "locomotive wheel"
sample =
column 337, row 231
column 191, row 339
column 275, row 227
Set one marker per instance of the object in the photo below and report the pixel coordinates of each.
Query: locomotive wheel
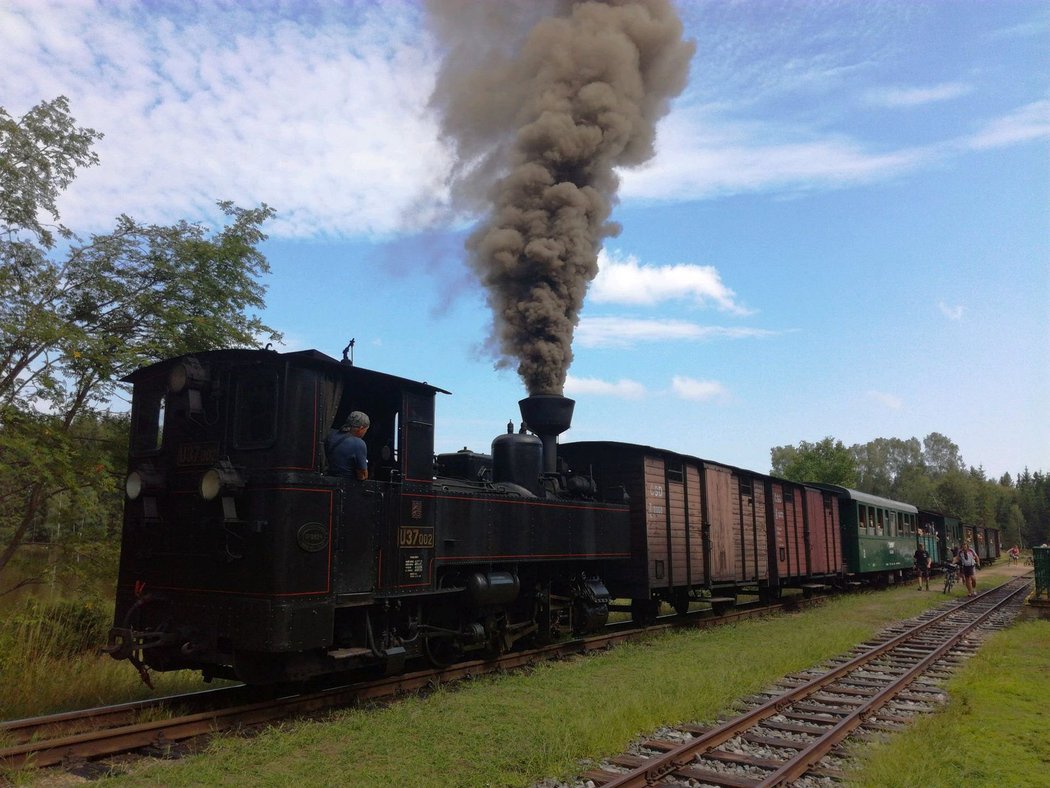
column 441, row 652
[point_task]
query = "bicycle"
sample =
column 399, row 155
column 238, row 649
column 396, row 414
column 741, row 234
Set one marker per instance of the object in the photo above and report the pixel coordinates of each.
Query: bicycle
column 950, row 573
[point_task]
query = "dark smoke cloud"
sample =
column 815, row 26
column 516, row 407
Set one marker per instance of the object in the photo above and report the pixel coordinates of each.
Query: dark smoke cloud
column 541, row 101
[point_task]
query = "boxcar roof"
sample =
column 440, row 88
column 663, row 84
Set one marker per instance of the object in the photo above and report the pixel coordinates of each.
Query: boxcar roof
column 643, row 449
column 309, row 358
column 873, row 500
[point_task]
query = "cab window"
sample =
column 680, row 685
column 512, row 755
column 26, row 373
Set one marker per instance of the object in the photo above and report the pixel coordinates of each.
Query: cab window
column 147, row 431
column 255, row 420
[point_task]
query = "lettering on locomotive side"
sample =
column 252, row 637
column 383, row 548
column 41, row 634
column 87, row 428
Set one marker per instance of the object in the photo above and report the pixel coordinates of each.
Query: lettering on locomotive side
column 415, row 537
column 413, row 567
column 197, row 454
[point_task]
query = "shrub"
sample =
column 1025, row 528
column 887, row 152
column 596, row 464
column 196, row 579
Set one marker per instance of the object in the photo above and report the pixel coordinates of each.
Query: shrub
column 53, row 629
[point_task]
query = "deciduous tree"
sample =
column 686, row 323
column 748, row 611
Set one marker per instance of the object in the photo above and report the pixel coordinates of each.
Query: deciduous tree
column 827, row 461
column 74, row 320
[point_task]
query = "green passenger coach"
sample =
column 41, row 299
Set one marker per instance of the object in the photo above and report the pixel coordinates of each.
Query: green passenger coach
column 878, row 535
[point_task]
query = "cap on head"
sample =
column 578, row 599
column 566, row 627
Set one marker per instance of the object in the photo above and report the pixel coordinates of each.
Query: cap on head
column 357, row 419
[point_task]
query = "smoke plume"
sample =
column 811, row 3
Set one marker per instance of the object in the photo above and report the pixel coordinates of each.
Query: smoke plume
column 542, row 100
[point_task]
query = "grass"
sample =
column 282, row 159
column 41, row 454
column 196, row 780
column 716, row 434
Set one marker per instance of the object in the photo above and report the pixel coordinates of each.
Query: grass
column 53, row 649
column 515, row 730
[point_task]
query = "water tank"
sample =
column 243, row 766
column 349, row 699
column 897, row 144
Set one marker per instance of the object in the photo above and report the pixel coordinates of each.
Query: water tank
column 518, row 459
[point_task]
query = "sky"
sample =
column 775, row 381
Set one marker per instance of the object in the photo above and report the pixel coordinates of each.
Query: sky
column 845, row 230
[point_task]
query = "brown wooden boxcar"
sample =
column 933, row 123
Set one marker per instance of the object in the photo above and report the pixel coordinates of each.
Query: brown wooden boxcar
column 805, row 544
column 696, row 525
column 823, row 534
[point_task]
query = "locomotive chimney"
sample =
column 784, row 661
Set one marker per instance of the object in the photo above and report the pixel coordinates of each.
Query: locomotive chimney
column 548, row 416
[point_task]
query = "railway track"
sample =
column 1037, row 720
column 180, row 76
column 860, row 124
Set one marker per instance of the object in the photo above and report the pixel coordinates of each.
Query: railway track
column 73, row 738
column 795, row 731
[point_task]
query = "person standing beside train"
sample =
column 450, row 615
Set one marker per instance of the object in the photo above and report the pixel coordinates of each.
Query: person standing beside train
column 346, row 449
column 968, row 563
column 922, row 567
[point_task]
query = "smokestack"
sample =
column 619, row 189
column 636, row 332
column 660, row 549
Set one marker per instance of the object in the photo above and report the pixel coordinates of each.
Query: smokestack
column 543, row 100
column 548, row 416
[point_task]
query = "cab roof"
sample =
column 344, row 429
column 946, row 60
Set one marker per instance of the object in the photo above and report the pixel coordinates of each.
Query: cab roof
column 302, row 358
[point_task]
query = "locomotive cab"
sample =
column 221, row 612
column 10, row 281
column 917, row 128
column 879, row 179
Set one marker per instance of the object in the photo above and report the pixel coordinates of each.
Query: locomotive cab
column 236, row 544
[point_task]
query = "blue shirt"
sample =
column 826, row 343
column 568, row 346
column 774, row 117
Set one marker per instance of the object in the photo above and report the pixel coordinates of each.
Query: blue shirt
column 347, row 453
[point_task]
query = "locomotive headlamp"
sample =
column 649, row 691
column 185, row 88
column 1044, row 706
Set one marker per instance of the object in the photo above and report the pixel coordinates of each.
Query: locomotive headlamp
column 142, row 480
column 187, row 373
column 222, row 479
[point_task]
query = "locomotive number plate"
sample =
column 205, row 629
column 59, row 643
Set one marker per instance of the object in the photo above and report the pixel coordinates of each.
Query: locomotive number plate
column 415, row 537
column 197, row 454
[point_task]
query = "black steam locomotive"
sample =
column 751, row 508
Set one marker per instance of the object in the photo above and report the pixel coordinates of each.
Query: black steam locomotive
column 242, row 558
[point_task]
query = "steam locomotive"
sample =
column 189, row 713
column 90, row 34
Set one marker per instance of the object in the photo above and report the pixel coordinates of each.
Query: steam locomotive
column 242, row 558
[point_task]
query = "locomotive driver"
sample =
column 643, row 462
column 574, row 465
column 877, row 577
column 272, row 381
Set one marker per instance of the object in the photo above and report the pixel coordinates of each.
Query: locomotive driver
column 345, row 447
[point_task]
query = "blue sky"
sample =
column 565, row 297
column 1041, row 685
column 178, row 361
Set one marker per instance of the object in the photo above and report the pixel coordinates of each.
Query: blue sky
column 845, row 230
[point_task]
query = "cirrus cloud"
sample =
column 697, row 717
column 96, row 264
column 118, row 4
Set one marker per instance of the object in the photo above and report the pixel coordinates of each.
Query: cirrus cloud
column 627, row 331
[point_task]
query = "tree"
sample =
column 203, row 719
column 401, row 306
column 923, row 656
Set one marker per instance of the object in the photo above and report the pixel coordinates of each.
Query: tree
column 940, row 455
column 883, row 463
column 955, row 496
column 827, row 461
column 1033, row 498
column 72, row 325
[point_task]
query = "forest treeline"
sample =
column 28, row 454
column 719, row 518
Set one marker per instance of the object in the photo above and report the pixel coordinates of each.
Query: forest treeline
column 929, row 474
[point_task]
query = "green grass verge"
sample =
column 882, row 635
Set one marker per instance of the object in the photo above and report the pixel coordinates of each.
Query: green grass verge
column 995, row 730
column 517, row 729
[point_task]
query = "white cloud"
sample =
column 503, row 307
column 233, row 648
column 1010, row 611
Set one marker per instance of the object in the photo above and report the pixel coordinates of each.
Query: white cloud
column 914, row 96
column 623, row 388
column 326, row 122
column 1027, row 123
column 700, row 390
column 623, row 280
column 626, row 332
column 701, row 157
column 950, row 312
column 889, row 400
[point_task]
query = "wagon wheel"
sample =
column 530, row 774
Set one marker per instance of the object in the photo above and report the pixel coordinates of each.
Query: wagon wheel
column 643, row 611
column 681, row 601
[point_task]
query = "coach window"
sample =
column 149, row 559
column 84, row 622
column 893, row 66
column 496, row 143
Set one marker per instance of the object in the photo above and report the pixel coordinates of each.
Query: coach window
column 148, row 431
column 255, row 421
column 880, row 514
column 892, row 524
